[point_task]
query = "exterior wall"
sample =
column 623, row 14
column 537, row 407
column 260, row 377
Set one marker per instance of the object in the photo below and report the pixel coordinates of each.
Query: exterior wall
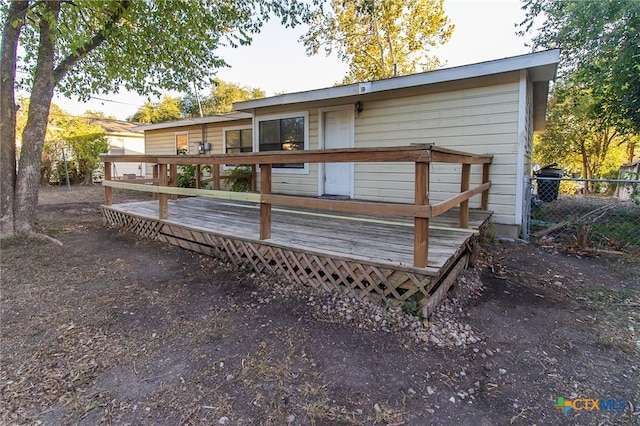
column 131, row 145
column 162, row 141
column 478, row 120
column 481, row 120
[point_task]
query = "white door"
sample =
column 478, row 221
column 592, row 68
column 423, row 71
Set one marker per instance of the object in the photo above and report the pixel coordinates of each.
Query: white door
column 338, row 133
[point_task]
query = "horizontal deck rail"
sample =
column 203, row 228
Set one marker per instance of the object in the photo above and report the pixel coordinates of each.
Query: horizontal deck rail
column 165, row 177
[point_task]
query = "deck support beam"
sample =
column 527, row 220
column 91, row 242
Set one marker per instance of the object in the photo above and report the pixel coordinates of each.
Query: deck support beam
column 198, row 175
column 108, row 193
column 464, row 186
column 421, row 224
column 265, row 207
column 215, row 174
column 163, row 198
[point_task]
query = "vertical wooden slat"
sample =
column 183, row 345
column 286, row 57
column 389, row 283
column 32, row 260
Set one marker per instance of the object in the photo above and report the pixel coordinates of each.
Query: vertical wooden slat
column 254, row 178
column 485, row 179
column 108, row 193
column 421, row 225
column 215, row 173
column 464, row 186
column 173, row 175
column 198, row 175
column 163, row 199
column 156, row 174
column 265, row 208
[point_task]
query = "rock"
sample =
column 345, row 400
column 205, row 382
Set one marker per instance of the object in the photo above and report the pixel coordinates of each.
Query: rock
column 430, row 390
column 411, row 391
column 452, row 399
column 376, row 408
column 489, row 352
column 223, row 420
column 502, row 371
column 291, row 418
column 229, row 377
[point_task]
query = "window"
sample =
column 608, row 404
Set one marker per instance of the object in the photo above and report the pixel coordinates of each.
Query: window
column 284, row 133
column 238, row 140
column 182, row 143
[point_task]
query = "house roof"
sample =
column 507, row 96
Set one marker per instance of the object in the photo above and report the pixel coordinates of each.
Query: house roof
column 542, row 67
column 232, row 116
column 116, row 126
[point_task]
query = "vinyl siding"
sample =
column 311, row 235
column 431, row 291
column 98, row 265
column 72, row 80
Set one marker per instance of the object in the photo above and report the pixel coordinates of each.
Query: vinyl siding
column 162, row 141
column 477, row 120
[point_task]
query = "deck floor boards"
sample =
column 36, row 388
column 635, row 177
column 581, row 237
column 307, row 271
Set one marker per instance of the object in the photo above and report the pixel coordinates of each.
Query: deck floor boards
column 356, row 236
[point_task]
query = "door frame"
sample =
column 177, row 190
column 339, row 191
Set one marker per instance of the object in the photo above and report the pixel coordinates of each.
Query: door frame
column 321, row 145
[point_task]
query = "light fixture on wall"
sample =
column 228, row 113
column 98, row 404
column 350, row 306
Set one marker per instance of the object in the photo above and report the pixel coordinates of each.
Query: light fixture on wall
column 358, row 107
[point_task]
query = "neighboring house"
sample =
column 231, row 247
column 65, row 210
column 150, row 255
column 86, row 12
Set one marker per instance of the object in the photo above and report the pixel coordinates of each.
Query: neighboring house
column 491, row 107
column 124, row 138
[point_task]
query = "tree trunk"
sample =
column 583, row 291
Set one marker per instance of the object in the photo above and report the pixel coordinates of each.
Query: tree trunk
column 36, row 127
column 10, row 33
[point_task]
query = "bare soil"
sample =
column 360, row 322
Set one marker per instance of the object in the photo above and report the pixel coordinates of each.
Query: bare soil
column 114, row 329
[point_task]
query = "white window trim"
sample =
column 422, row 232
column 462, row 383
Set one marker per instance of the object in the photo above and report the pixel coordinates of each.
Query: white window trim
column 256, row 137
column 224, row 140
column 321, row 145
column 175, row 141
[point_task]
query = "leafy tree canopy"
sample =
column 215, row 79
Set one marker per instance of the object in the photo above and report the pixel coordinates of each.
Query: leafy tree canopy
column 600, row 45
column 223, row 95
column 167, row 109
column 380, row 38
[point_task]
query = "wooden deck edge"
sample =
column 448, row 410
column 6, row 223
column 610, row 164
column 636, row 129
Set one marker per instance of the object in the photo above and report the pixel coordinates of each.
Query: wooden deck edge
column 328, row 271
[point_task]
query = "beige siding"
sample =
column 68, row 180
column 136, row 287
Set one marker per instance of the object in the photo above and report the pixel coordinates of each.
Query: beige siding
column 162, row 141
column 478, row 120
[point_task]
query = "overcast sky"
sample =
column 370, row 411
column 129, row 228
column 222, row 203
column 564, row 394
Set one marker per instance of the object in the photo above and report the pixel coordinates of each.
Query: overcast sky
column 276, row 61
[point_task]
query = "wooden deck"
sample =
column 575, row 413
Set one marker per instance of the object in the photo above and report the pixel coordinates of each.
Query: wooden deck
column 363, row 255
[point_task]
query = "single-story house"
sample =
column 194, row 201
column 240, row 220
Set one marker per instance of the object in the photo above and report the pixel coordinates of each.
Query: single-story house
column 491, row 107
column 124, row 138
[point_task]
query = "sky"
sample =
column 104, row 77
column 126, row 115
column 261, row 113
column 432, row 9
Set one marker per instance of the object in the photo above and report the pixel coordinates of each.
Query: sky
column 276, row 61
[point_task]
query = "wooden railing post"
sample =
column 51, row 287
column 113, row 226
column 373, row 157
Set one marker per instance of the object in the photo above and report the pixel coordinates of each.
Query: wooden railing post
column 265, row 208
column 163, row 199
column 485, row 194
column 464, row 186
column 198, row 173
column 156, row 175
column 421, row 224
column 108, row 194
column 254, row 178
column 215, row 174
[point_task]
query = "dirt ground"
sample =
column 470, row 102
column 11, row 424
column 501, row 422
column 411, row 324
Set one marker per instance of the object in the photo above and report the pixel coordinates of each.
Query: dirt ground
column 114, row 329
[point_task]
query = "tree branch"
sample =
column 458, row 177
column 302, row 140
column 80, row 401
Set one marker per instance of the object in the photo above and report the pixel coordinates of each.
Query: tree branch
column 67, row 63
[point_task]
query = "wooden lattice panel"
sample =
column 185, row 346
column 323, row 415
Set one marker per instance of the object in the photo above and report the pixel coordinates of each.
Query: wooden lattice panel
column 356, row 279
column 143, row 227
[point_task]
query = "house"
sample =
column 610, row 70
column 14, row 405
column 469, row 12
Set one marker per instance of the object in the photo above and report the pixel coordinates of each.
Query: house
column 491, row 107
column 124, row 138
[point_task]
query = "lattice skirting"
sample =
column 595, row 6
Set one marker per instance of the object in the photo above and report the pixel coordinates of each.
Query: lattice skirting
column 357, row 279
column 141, row 226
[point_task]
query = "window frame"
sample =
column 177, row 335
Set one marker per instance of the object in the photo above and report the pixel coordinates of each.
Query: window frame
column 224, row 141
column 175, row 141
column 256, row 137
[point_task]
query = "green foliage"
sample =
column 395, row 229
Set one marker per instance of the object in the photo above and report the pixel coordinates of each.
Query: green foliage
column 167, row 109
column 87, row 142
column 221, row 100
column 577, row 137
column 187, row 176
column 600, row 48
column 240, row 179
column 373, row 36
column 412, row 307
column 144, row 46
column 61, row 174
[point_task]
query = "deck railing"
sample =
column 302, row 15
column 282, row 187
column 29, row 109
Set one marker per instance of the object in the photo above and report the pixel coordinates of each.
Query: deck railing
column 421, row 210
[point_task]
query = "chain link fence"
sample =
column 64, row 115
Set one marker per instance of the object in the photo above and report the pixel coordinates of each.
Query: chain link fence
column 584, row 213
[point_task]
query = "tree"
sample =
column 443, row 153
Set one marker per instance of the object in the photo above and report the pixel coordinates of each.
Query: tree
column 167, row 109
column 600, row 49
column 84, row 47
column 223, row 95
column 380, row 38
column 87, row 141
column 578, row 137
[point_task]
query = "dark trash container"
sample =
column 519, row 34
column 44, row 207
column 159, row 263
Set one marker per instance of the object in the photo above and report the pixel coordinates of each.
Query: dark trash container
column 548, row 189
